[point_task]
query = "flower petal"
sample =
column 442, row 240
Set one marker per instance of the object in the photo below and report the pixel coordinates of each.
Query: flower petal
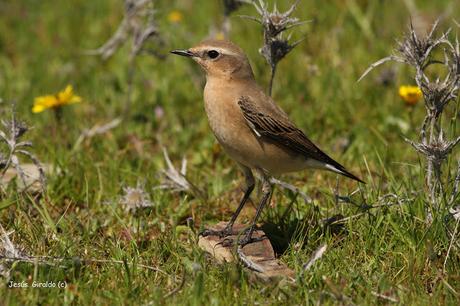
column 175, row 16
column 410, row 94
column 44, row 102
column 66, row 95
column 38, row 108
column 75, row 99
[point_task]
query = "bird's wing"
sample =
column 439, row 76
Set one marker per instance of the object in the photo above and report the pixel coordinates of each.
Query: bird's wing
column 283, row 132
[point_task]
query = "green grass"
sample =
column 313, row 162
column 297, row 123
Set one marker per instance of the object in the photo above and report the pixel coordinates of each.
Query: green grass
column 388, row 250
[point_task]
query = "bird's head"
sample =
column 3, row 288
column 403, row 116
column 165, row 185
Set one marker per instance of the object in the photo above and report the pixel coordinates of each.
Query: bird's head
column 220, row 58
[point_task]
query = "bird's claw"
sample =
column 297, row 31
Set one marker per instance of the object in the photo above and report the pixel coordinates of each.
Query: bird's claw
column 247, row 239
column 221, row 234
column 228, row 242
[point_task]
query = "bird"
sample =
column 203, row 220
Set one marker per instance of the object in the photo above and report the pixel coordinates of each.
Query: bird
column 251, row 128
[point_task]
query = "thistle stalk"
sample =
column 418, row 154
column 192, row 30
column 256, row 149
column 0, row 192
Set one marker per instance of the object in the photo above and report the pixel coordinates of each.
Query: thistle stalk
column 438, row 93
column 274, row 24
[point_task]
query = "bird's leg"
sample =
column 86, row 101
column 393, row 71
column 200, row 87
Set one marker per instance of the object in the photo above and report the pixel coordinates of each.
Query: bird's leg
column 228, row 230
column 267, row 192
column 250, row 184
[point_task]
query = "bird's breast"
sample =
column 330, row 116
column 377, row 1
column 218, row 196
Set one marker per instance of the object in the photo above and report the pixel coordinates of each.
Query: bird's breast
column 224, row 115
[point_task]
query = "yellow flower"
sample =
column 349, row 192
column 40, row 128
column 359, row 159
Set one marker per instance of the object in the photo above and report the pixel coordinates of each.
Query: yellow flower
column 63, row 97
column 219, row 35
column 410, row 94
column 175, row 16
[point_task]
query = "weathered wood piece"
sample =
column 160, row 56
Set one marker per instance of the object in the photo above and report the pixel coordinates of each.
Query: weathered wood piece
column 258, row 257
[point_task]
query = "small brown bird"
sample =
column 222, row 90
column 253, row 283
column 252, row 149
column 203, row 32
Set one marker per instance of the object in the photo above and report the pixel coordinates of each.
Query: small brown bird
column 251, row 128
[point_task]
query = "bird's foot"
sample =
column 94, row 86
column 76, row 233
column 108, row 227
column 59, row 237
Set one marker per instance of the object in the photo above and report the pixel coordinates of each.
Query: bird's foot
column 221, row 234
column 247, row 239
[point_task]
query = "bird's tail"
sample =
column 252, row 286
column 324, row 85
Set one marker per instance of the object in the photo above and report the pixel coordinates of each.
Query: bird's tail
column 341, row 170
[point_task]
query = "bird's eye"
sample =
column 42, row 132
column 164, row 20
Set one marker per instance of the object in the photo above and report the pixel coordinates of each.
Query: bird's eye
column 213, row 54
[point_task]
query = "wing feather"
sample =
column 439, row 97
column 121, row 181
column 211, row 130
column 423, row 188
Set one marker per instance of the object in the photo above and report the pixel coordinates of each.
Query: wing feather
column 283, row 132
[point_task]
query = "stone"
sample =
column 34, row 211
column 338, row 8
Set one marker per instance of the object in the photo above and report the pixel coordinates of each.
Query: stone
column 258, row 257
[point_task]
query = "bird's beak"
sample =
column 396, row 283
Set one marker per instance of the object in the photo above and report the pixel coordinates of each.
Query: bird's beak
column 187, row 53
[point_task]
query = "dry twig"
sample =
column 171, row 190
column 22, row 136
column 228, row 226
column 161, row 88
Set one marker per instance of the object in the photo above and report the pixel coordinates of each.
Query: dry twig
column 97, row 129
column 138, row 22
column 176, row 180
column 7, row 249
column 292, row 188
column 247, row 262
column 317, row 254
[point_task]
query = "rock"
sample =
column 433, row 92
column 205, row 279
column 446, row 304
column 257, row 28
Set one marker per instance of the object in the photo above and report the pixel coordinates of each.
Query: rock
column 258, row 257
column 31, row 174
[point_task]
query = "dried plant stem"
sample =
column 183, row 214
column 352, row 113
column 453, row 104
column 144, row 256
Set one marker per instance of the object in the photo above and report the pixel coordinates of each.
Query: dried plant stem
column 11, row 136
column 317, row 254
column 272, row 77
column 292, row 188
column 139, row 25
column 98, row 129
column 176, row 180
column 455, row 190
column 385, row 297
column 226, row 27
column 57, row 261
column 248, row 262
column 450, row 244
column 129, row 93
column 420, row 53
